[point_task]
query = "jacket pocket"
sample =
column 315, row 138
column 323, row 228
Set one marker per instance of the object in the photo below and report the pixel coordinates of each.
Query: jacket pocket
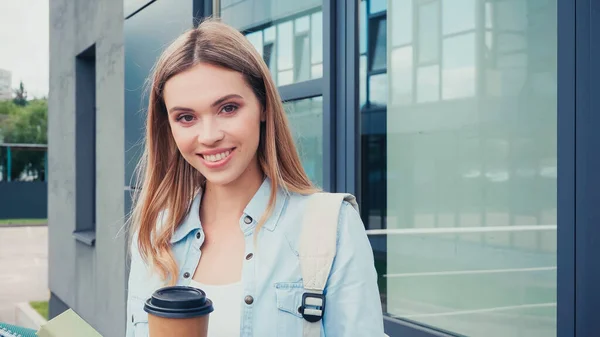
column 138, row 319
column 289, row 300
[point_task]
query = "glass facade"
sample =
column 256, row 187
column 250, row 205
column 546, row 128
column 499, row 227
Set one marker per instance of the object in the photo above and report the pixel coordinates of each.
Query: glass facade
column 459, row 176
column 457, row 120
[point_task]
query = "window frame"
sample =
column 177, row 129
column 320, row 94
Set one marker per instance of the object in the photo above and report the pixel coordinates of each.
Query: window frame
column 579, row 47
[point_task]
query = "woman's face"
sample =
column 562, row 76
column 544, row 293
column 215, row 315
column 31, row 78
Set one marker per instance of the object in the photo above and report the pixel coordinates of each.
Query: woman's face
column 215, row 120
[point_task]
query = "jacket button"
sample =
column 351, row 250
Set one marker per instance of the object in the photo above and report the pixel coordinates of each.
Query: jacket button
column 248, row 220
column 198, row 235
column 249, row 299
column 186, row 275
column 249, row 256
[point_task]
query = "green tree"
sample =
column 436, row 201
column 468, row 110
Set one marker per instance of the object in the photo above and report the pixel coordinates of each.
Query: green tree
column 24, row 125
column 20, row 95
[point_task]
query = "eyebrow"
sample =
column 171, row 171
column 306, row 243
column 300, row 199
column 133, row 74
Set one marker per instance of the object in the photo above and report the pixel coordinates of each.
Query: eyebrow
column 224, row 98
column 215, row 103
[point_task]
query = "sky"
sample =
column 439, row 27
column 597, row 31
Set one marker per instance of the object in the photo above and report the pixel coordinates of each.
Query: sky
column 24, row 49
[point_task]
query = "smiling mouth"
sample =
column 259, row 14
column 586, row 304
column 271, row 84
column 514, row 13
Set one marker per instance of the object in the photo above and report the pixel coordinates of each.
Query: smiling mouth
column 214, row 158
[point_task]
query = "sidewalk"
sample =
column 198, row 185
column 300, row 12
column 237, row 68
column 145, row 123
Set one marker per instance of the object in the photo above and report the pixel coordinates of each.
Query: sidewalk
column 23, row 268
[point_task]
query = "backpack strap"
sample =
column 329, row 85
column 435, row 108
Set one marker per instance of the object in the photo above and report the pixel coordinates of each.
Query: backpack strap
column 318, row 241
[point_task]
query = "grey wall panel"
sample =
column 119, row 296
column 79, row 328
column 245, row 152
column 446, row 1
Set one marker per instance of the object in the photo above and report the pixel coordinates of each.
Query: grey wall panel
column 87, row 279
column 21, row 200
column 61, row 151
column 109, row 271
column 146, row 35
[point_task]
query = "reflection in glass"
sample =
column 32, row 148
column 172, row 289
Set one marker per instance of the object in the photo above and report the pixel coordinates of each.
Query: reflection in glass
column 284, row 46
column 292, row 49
column 379, row 60
column 458, row 16
column 301, row 58
column 317, row 39
column 270, row 34
column 378, row 90
column 465, row 155
column 458, row 72
column 402, row 66
column 306, row 121
column 510, row 15
column 377, row 6
column 510, row 42
column 362, row 74
column 428, row 84
column 429, row 37
column 270, row 56
column 489, row 41
column 285, row 77
column 489, row 15
column 362, row 27
column 256, row 40
column 302, row 25
column 402, row 23
column 270, row 52
column 316, row 71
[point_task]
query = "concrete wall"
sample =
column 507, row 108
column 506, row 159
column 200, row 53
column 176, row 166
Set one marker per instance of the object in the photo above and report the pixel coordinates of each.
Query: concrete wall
column 23, row 199
column 89, row 279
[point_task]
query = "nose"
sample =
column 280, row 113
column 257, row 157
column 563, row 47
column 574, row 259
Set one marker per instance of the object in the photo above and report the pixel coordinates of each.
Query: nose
column 210, row 133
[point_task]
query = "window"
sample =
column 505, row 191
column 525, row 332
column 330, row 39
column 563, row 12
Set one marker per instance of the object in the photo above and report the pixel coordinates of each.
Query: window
column 458, row 163
column 85, row 146
column 289, row 37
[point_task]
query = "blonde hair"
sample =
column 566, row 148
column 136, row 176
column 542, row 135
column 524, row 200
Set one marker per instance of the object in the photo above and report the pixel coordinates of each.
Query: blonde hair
column 168, row 182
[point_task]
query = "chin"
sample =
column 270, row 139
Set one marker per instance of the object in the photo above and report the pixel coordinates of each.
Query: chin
column 221, row 178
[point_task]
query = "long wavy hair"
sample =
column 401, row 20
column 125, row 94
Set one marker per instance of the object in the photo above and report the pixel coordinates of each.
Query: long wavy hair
column 167, row 181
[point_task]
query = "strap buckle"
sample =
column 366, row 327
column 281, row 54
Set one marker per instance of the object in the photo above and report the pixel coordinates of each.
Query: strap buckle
column 313, row 306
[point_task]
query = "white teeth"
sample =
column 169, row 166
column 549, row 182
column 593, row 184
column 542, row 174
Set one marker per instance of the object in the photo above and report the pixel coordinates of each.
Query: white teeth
column 216, row 157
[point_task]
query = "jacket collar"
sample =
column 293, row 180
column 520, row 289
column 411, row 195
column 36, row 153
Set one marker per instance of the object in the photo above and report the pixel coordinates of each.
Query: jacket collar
column 255, row 209
column 259, row 203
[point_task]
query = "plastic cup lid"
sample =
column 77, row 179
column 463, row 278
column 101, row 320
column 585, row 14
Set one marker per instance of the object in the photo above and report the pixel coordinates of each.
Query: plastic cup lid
column 178, row 302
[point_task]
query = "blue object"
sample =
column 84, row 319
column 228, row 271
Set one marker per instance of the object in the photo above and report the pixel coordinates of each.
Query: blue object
column 9, row 330
column 8, row 163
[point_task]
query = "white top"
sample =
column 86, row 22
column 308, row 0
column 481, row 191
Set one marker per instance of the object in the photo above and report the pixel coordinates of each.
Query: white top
column 224, row 321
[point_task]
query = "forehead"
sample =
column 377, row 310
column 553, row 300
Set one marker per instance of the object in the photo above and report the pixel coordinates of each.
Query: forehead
column 202, row 84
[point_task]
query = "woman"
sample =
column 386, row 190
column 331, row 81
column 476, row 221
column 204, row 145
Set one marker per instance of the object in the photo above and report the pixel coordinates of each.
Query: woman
column 223, row 196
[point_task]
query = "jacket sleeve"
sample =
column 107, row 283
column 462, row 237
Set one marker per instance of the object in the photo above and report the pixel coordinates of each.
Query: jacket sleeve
column 353, row 306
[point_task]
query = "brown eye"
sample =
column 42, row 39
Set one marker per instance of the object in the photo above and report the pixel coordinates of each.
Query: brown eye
column 229, row 108
column 185, row 118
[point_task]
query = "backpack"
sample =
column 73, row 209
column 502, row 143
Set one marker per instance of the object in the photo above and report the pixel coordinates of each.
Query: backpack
column 318, row 240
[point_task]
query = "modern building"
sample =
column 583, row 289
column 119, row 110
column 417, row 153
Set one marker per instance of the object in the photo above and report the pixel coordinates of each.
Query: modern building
column 5, row 85
column 467, row 129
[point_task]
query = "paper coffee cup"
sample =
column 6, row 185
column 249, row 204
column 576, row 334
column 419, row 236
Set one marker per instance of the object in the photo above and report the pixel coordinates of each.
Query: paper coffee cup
column 178, row 311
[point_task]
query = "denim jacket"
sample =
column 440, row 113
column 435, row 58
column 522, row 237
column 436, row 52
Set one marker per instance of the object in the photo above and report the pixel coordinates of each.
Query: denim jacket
column 271, row 273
